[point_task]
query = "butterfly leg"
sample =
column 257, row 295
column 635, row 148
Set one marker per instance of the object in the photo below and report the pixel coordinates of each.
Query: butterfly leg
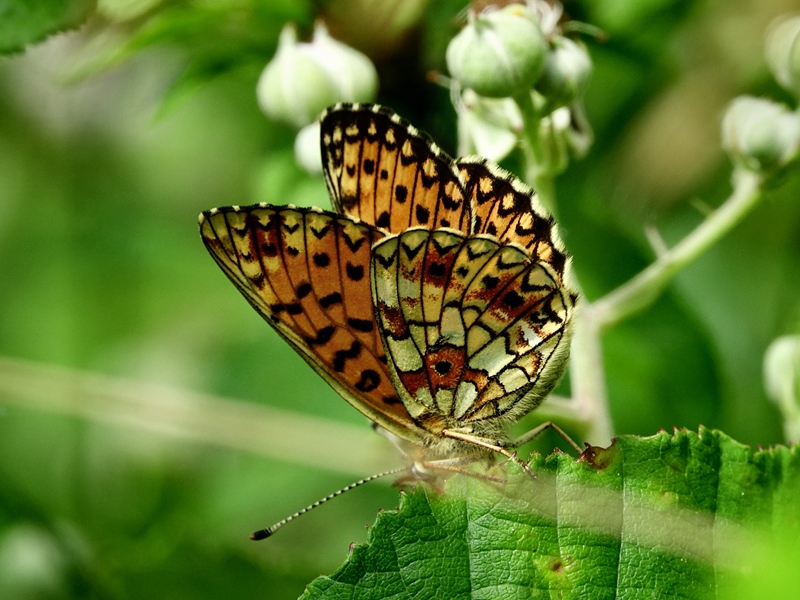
column 538, row 430
column 430, row 470
column 490, row 445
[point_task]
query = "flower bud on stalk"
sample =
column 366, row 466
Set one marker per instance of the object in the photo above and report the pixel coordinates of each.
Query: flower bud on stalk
column 307, row 152
column 498, row 54
column 566, row 73
column 782, row 381
column 304, row 78
column 487, row 126
column 783, row 52
column 759, row 134
column 556, row 133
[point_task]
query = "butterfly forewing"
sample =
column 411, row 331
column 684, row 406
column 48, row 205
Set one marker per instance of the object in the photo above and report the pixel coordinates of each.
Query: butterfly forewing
column 381, row 170
column 307, row 273
column 509, row 210
column 470, row 325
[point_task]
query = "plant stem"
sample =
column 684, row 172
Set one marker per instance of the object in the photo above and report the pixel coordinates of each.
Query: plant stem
column 171, row 412
column 644, row 288
column 538, row 173
column 589, row 404
column 587, row 378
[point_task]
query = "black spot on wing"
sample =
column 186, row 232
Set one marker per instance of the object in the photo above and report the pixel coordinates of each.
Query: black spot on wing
column 422, row 214
column 489, row 282
column 364, row 325
column 269, row 250
column 513, row 300
column 330, row 300
column 292, row 308
column 370, row 380
column 323, row 336
column 383, row 220
column 401, row 193
column 341, row 356
column 443, row 367
column 355, row 272
column 437, row 269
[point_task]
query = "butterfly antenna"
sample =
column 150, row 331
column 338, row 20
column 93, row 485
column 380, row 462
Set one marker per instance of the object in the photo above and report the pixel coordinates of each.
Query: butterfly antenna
column 263, row 534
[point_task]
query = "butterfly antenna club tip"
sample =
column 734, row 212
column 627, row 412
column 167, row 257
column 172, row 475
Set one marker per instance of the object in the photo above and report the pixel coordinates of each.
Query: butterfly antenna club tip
column 263, row 534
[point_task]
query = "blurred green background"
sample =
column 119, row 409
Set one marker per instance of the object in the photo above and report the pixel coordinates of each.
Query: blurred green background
column 149, row 420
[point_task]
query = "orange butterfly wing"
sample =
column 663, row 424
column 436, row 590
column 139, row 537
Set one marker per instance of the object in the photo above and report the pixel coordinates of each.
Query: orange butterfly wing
column 306, row 272
column 381, row 170
column 509, row 210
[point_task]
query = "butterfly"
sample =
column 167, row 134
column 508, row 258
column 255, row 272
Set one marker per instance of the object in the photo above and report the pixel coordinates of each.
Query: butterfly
column 434, row 298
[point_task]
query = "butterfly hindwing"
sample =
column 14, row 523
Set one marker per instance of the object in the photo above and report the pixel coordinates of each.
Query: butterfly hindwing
column 381, row 170
column 470, row 326
column 307, row 273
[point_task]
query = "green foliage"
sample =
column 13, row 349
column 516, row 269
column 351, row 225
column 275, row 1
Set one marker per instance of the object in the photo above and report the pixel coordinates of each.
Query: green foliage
column 103, row 272
column 24, row 22
column 217, row 38
column 665, row 516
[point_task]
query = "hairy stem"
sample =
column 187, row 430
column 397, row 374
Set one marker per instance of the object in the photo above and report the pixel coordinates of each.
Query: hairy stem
column 589, row 405
column 170, row 412
column 587, row 378
column 538, row 172
column 644, row 288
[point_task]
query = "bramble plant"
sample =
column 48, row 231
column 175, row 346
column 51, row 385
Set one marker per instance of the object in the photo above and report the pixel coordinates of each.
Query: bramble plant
column 687, row 514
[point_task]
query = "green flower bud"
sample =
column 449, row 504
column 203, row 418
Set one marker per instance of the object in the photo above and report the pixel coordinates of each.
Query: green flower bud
column 487, row 127
column 760, row 134
column 783, row 52
column 499, row 53
column 567, row 69
column 782, row 381
column 304, row 78
column 556, row 133
column 307, row 151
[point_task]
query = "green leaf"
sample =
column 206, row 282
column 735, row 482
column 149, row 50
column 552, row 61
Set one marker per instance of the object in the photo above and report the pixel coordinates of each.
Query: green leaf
column 217, row 38
column 661, row 517
column 25, row 22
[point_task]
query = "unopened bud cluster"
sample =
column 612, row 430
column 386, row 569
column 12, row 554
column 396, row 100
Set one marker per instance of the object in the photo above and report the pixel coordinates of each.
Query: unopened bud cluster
column 503, row 52
column 507, row 53
column 783, row 52
column 761, row 134
column 782, row 381
column 498, row 54
column 304, row 78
